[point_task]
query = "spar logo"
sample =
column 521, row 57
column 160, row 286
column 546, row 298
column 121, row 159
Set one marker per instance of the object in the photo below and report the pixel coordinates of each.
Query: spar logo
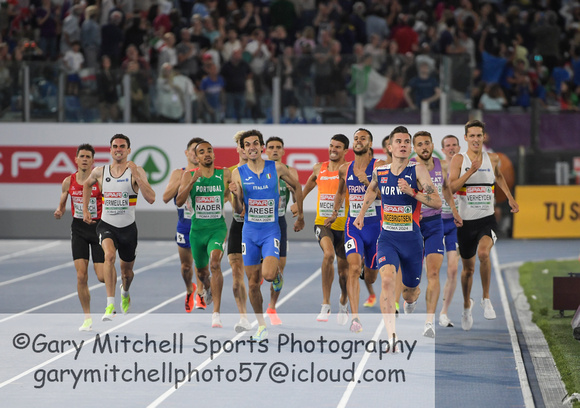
column 154, row 161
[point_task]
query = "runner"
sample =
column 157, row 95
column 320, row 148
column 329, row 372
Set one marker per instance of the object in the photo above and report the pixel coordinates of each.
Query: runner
column 83, row 236
column 275, row 151
column 403, row 186
column 207, row 187
column 255, row 185
column 353, row 179
column 120, row 183
column 472, row 175
column 184, row 214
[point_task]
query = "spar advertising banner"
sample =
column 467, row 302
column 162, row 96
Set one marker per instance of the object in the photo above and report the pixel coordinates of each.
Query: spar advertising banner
column 35, row 158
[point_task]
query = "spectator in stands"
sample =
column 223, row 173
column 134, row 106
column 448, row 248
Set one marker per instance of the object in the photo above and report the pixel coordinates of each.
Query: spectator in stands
column 340, row 68
column 48, row 21
column 71, row 28
column 493, row 98
column 357, row 19
column 568, row 99
column 112, row 37
column 232, row 43
column 137, row 33
column 197, row 36
column 521, row 85
column 282, row 12
column 170, row 99
column 259, row 57
column 235, row 73
column 323, row 68
column 406, row 36
column 139, row 88
column 73, row 61
column 546, row 33
column 213, row 95
column 250, row 18
column 91, row 37
column 168, row 53
column 107, row 82
column 376, row 22
column 306, row 37
column 377, row 49
column 187, row 62
column 423, row 88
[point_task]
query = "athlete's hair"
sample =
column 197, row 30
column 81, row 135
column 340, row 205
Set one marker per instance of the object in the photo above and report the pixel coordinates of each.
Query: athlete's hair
column 365, row 130
column 398, row 129
column 274, row 139
column 447, row 137
column 201, row 141
column 197, row 140
column 386, row 141
column 422, row 133
column 238, row 136
column 120, row 136
column 250, row 133
column 475, row 123
column 372, row 152
column 339, row 137
column 86, row 146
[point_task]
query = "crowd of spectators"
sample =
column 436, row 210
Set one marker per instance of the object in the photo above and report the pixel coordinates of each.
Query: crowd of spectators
column 216, row 58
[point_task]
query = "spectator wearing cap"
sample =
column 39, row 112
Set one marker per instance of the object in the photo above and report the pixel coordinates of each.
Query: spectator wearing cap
column 91, row 37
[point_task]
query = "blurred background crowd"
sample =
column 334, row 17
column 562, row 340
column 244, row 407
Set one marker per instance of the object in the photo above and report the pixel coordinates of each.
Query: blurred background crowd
column 217, row 61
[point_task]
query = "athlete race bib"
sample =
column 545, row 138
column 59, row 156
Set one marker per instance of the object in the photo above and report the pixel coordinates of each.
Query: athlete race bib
column 356, row 203
column 78, row 206
column 398, row 218
column 282, row 206
column 261, row 210
column 208, row 207
column 115, row 203
column 188, row 209
column 326, row 206
column 479, row 197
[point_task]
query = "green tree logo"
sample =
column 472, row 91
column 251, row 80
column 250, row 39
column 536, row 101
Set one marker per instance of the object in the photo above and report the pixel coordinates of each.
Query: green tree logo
column 154, row 161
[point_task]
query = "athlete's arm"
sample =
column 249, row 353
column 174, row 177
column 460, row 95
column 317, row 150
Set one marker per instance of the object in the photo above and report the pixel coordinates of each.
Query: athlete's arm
column 237, row 192
column 227, row 181
column 172, row 186
column 60, row 210
column 429, row 194
column 500, row 181
column 94, row 177
column 339, row 196
column 308, row 187
column 287, row 176
column 140, row 179
column 448, row 195
column 368, row 200
column 456, row 182
column 187, row 182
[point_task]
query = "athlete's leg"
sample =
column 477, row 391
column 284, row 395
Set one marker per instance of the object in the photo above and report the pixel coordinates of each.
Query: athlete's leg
column 342, row 266
column 451, row 282
column 387, row 298
column 82, row 266
column 483, row 250
column 109, row 271
column 239, row 285
column 273, row 294
column 217, row 278
column 434, row 262
column 467, row 280
column 186, row 267
column 353, row 288
column 127, row 274
column 254, row 278
column 327, row 268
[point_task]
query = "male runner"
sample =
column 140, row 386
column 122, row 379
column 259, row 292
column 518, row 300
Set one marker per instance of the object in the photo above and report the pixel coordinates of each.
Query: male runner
column 255, row 186
column 331, row 239
column 431, row 223
column 207, row 187
column 354, row 177
column 120, row 183
column 472, row 175
column 83, row 236
column 275, row 151
column 184, row 214
column 235, row 250
column 403, row 185
column 449, row 146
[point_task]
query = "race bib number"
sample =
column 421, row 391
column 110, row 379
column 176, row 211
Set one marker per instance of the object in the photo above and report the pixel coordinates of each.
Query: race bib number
column 188, row 209
column 326, row 206
column 78, row 206
column 208, row 207
column 356, row 203
column 398, row 218
column 243, row 249
column 238, row 217
column 115, row 203
column 282, row 206
column 479, row 197
column 349, row 245
column 446, row 208
column 180, row 238
column 261, row 210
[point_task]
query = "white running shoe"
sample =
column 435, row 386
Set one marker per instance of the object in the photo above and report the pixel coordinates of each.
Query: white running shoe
column 488, row 311
column 444, row 321
column 207, row 297
column 392, row 346
column 466, row 317
column 242, row 325
column 429, row 330
column 216, row 321
column 342, row 316
column 324, row 313
column 409, row 307
column 87, row 325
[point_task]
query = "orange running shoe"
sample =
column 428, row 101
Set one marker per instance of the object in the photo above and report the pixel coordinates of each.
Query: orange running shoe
column 371, row 301
column 199, row 302
column 189, row 299
column 274, row 319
